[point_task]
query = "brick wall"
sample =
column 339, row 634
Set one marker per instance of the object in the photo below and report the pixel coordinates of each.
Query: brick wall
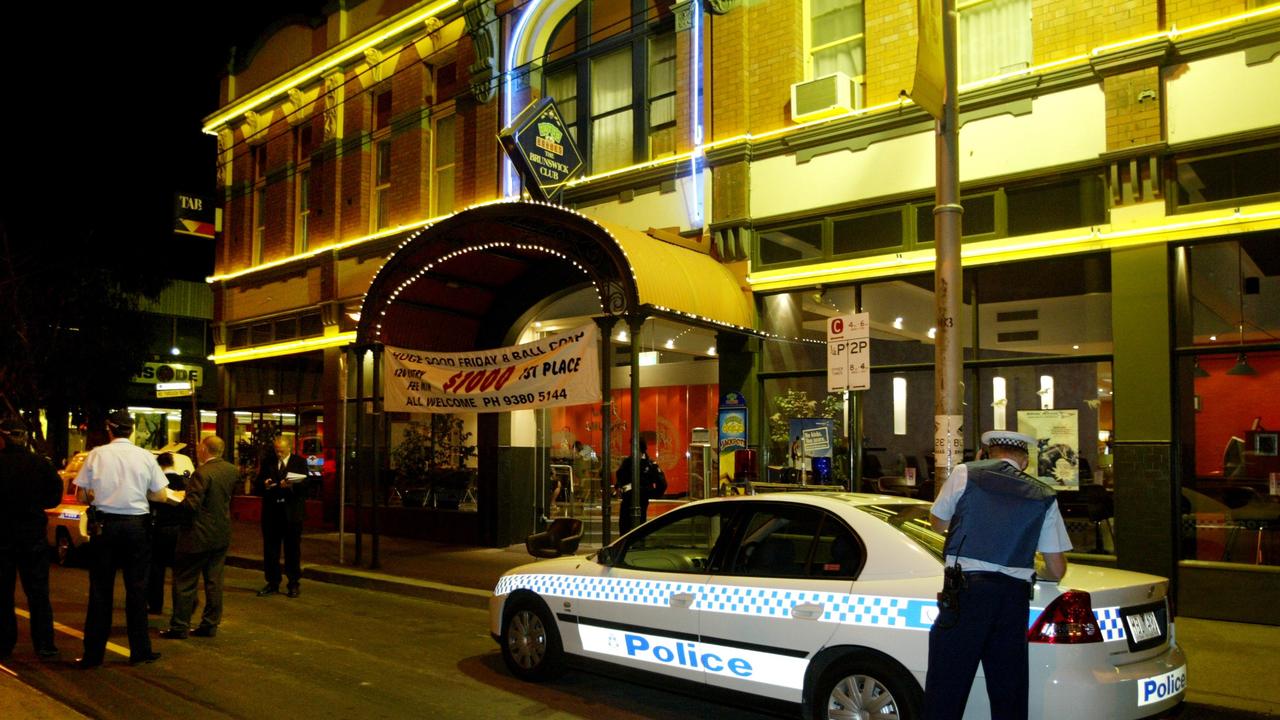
column 891, row 49
column 1146, row 540
column 1133, row 109
column 1186, row 13
column 729, row 49
column 775, row 30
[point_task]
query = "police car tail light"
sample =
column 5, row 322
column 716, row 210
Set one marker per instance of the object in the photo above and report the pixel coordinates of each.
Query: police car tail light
column 1068, row 620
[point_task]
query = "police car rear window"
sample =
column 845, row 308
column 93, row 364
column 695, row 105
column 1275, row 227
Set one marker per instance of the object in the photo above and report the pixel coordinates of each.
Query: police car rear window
column 910, row 520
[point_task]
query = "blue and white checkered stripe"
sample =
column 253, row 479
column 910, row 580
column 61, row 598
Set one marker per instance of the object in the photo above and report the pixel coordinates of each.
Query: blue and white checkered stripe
column 881, row 611
column 1110, row 623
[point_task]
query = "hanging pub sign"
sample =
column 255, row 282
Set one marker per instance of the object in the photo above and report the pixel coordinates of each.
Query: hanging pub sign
column 559, row 369
column 542, row 150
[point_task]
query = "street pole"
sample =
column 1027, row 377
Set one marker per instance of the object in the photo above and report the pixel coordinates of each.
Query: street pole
column 948, row 288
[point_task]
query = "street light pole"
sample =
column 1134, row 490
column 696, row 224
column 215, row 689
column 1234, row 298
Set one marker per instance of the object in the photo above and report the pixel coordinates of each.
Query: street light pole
column 948, row 288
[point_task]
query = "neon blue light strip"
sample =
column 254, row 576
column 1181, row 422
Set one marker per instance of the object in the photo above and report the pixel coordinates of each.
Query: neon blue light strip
column 696, row 211
column 508, row 114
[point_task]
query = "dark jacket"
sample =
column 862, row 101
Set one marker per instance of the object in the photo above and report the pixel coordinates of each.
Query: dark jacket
column 653, row 483
column 164, row 514
column 28, row 485
column 293, row 499
column 208, row 503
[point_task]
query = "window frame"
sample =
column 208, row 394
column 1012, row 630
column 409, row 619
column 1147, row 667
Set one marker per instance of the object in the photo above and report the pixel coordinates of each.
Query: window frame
column 810, row 50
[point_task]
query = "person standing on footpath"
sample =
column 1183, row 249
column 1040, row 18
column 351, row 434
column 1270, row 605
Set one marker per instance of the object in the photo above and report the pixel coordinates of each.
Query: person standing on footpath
column 203, row 542
column 117, row 479
column 652, row 484
column 282, row 483
column 166, row 520
column 28, row 485
column 996, row 518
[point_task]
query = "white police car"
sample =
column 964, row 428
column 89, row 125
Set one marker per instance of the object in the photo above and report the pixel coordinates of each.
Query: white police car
column 825, row 601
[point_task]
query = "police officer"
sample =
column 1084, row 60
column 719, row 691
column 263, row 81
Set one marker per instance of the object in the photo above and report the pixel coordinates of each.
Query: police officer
column 28, row 485
column 117, row 479
column 996, row 518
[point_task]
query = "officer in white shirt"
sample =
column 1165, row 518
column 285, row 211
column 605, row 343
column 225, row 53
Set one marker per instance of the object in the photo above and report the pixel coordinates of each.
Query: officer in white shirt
column 996, row 518
column 117, row 479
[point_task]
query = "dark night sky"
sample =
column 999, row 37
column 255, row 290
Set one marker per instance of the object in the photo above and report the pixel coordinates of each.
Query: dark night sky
column 101, row 121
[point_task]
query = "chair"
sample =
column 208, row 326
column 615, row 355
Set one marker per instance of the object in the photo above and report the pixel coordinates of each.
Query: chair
column 560, row 538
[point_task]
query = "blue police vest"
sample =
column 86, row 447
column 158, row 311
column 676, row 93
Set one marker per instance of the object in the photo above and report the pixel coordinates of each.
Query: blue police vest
column 998, row 518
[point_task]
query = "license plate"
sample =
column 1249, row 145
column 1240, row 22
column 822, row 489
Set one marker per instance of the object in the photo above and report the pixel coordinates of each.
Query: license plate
column 1145, row 625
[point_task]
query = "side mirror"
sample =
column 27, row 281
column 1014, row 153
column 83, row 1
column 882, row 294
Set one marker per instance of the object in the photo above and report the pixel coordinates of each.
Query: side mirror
column 606, row 556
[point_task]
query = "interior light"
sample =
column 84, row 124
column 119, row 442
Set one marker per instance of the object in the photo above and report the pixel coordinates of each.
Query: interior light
column 355, row 316
column 897, row 323
column 1213, row 338
column 270, row 392
column 537, row 325
column 670, row 344
column 649, row 357
column 1075, row 347
column 174, row 350
column 711, row 350
column 933, row 333
column 622, row 336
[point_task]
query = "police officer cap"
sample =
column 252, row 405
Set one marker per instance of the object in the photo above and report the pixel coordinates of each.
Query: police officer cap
column 1007, row 438
column 121, row 420
column 13, row 428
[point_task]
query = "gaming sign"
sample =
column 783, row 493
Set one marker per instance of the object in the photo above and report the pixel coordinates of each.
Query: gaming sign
column 542, row 149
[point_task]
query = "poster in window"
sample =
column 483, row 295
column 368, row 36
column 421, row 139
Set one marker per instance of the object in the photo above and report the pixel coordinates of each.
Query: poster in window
column 1055, row 458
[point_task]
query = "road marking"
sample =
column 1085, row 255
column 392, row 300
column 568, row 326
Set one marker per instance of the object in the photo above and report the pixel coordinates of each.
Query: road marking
column 117, row 649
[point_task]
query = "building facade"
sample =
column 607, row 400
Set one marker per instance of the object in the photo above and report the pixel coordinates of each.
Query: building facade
column 1120, row 177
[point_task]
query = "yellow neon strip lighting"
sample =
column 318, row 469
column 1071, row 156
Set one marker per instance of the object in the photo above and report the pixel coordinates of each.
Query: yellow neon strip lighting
column 285, row 348
column 1015, row 248
column 729, row 141
column 326, row 249
column 324, row 63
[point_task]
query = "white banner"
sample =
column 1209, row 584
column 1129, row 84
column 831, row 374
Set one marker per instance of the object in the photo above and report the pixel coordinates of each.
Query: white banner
column 560, row 369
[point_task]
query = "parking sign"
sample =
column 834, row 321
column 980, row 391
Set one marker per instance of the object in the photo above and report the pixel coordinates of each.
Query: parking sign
column 849, row 353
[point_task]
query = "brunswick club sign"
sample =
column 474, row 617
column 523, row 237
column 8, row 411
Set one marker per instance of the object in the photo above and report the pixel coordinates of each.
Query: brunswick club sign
column 542, row 150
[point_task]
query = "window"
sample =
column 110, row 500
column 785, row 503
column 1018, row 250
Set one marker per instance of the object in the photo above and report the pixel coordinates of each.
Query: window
column 381, row 170
column 684, row 543
column 1223, row 179
column 382, row 185
column 613, row 77
column 789, row 244
column 259, row 223
column 443, row 158
column 835, row 39
column 794, row 541
column 995, row 38
column 303, row 146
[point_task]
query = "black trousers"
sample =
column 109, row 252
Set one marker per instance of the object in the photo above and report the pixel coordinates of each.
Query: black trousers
column 30, row 562
column 277, row 531
column 163, row 540
column 990, row 627
column 625, row 524
column 187, row 570
column 124, row 545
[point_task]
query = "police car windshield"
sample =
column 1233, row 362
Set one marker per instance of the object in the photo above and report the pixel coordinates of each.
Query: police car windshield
column 911, row 520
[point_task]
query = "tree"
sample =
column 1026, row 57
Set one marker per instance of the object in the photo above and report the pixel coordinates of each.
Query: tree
column 75, row 339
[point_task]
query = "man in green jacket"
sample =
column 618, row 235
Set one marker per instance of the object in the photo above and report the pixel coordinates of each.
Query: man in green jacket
column 203, row 542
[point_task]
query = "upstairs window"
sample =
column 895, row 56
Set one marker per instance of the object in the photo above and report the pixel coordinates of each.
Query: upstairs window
column 995, row 38
column 836, row 39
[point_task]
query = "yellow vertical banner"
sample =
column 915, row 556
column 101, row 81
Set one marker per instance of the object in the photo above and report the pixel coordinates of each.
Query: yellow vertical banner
column 929, row 87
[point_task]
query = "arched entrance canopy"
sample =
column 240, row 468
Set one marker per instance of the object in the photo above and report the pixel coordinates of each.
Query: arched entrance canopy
column 459, row 284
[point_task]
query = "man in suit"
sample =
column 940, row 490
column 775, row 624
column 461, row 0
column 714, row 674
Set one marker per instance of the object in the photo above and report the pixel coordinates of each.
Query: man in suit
column 282, row 483
column 203, row 541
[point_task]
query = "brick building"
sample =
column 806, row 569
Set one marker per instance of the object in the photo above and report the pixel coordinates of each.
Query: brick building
column 1120, row 174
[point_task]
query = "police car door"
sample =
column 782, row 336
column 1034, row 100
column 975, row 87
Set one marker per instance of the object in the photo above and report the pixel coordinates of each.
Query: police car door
column 642, row 612
column 770, row 604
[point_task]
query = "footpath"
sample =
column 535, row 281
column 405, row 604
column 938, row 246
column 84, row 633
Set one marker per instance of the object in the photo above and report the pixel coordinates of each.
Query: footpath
column 1231, row 675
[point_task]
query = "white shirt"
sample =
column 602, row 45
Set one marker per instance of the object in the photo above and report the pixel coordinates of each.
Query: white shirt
column 1053, row 531
column 120, row 474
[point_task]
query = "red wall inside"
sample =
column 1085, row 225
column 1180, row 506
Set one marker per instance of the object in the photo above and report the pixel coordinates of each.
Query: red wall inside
column 668, row 414
column 1229, row 404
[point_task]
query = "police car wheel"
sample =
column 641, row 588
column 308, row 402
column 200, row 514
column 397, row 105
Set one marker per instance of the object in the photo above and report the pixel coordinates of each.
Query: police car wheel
column 861, row 686
column 531, row 645
column 62, row 551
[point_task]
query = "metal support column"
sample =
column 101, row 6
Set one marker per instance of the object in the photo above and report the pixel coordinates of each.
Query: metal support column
column 606, row 419
column 375, row 501
column 634, row 325
column 361, row 463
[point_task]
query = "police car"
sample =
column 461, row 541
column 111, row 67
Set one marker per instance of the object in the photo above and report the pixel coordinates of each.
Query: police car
column 68, row 528
column 824, row 601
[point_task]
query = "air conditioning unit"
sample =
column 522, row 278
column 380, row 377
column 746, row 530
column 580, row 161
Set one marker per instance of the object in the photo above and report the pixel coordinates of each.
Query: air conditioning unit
column 824, row 97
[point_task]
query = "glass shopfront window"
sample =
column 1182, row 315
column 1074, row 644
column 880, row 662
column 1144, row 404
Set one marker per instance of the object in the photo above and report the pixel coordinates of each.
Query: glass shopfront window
column 1229, row 377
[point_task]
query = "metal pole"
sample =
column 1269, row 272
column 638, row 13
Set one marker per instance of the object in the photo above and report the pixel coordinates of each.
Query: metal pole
column 360, row 458
column 344, row 410
column 634, row 324
column 948, row 371
column 606, row 419
column 375, row 501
